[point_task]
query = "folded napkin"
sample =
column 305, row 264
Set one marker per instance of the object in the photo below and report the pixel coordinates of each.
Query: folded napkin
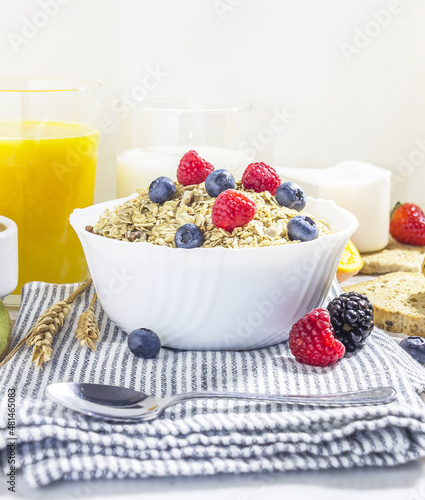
column 203, row 437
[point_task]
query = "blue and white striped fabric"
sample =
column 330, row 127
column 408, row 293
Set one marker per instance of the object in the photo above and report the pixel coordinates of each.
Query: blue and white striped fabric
column 204, row 437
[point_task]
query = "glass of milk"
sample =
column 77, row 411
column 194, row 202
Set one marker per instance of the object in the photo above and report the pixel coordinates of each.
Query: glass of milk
column 155, row 133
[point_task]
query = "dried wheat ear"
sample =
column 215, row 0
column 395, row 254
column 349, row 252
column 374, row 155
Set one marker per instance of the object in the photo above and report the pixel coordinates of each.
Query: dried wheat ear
column 87, row 331
column 40, row 337
column 44, row 330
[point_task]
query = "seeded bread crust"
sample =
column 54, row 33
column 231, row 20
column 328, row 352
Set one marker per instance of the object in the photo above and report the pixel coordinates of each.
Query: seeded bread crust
column 393, row 258
column 398, row 301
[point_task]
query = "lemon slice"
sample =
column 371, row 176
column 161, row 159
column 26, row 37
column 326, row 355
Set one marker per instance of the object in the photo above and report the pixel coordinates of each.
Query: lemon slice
column 4, row 331
column 350, row 263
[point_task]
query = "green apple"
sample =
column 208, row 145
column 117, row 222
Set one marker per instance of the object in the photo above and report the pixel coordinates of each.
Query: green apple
column 5, row 331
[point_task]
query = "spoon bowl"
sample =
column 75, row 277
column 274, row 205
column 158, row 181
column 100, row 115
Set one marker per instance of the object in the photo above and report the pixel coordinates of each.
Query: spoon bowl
column 119, row 403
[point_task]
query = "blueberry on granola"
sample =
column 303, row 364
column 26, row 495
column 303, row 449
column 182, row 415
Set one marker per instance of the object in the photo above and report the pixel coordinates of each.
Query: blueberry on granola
column 302, row 228
column 161, row 189
column 218, row 181
column 188, row 236
column 290, row 195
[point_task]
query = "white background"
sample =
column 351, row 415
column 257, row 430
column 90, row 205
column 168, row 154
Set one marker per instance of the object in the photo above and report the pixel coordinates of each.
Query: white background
column 291, row 55
column 350, row 74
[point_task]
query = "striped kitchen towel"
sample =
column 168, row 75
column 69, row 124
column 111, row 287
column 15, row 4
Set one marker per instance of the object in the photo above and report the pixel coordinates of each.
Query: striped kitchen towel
column 201, row 437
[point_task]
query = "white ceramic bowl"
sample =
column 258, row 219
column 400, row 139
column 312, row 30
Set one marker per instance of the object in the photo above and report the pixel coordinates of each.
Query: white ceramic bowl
column 213, row 298
column 8, row 257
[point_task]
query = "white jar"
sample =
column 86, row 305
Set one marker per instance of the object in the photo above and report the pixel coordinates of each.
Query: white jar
column 361, row 188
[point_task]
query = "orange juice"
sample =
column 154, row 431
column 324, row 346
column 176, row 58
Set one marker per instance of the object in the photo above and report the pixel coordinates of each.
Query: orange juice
column 46, row 170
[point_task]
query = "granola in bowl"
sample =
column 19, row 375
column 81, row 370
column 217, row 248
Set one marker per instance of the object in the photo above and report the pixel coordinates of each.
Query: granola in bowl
column 140, row 219
column 242, row 285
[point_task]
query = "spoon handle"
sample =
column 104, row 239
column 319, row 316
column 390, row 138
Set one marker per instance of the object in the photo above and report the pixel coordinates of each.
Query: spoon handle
column 378, row 395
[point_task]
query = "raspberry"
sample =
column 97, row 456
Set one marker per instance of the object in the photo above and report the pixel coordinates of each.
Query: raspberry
column 232, row 209
column 260, row 177
column 193, row 169
column 312, row 340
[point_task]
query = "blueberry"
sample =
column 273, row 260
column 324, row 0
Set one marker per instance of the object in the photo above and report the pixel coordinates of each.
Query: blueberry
column 415, row 346
column 144, row 343
column 290, row 195
column 161, row 189
column 188, row 236
column 302, row 228
column 218, row 181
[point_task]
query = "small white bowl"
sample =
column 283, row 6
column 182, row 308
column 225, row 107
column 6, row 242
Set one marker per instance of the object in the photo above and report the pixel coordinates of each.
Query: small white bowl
column 213, row 298
column 8, row 257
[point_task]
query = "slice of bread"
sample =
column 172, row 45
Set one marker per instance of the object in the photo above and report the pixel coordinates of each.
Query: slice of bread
column 398, row 301
column 423, row 267
column 394, row 257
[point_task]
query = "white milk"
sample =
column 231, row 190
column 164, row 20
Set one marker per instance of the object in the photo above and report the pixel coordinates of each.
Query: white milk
column 361, row 188
column 139, row 167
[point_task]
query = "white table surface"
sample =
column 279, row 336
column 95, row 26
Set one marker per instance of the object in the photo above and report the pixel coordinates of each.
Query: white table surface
column 405, row 482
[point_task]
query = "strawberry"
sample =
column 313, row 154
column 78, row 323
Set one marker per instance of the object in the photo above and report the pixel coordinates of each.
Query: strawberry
column 407, row 224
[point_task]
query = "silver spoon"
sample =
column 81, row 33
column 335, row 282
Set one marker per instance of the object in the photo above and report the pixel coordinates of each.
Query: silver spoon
column 118, row 403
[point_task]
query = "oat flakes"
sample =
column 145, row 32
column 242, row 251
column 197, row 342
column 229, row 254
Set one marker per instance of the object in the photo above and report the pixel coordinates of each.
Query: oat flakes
column 139, row 219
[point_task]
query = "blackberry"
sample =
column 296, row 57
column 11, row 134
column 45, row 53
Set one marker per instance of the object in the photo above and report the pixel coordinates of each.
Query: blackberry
column 352, row 319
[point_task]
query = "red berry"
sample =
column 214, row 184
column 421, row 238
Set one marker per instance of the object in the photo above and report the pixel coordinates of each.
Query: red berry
column 193, row 169
column 232, row 209
column 312, row 340
column 261, row 177
column 407, row 224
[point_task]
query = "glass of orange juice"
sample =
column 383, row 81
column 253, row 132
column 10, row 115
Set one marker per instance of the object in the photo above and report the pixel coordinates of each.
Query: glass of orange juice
column 48, row 156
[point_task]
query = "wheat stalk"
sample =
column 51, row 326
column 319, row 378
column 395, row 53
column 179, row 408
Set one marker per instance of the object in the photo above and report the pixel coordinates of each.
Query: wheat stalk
column 48, row 323
column 45, row 328
column 87, row 331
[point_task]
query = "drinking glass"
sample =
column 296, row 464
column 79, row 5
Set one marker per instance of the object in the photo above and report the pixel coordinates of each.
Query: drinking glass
column 155, row 133
column 48, row 156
